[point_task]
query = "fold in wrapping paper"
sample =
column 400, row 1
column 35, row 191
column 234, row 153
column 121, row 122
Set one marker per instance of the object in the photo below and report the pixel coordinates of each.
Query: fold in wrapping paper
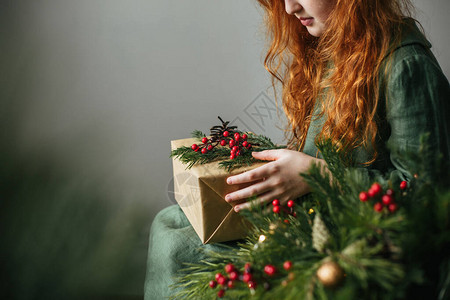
column 200, row 192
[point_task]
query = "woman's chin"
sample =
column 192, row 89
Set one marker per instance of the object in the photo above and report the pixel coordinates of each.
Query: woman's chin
column 314, row 31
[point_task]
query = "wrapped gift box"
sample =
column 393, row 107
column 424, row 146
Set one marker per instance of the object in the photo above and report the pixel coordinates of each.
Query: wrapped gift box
column 200, row 192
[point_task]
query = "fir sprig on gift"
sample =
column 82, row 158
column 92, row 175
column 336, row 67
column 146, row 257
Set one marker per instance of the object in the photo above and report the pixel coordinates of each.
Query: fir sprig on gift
column 190, row 158
column 198, row 134
column 225, row 144
column 378, row 238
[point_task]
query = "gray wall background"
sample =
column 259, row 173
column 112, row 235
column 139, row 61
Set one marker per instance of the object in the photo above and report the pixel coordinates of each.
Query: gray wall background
column 92, row 92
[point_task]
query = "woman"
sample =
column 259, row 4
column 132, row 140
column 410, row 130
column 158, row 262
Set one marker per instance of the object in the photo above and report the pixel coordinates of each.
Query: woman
column 354, row 71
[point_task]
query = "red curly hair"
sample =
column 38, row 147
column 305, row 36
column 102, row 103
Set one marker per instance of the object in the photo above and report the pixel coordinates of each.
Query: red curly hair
column 355, row 49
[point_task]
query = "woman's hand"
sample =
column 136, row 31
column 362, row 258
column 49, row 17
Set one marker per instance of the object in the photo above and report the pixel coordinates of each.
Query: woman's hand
column 279, row 179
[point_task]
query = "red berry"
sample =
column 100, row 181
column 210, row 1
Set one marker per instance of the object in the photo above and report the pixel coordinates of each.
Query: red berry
column 249, row 146
column 218, row 275
column 232, row 156
column 403, row 185
column 222, row 280
column 390, row 192
column 204, row 140
column 229, row 268
column 290, row 203
column 194, row 147
column 245, row 144
column 204, row 150
column 392, row 207
column 363, row 196
column 276, row 209
column 235, row 148
column 248, row 268
column 232, row 143
column 286, row 221
column 196, row 150
column 247, row 277
column 387, row 199
column 269, row 270
column 244, row 136
column 251, row 284
column 375, row 189
column 221, row 293
column 226, row 133
column 275, row 202
column 238, row 153
column 223, row 142
column 230, row 284
column 210, row 147
column 287, row 265
column 212, row 284
column 234, row 275
column 237, row 136
column 378, row 207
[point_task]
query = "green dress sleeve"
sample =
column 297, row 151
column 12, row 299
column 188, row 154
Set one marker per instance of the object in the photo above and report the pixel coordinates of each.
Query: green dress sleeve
column 416, row 104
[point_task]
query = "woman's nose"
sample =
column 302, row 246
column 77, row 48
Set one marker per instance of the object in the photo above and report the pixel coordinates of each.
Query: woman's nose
column 292, row 6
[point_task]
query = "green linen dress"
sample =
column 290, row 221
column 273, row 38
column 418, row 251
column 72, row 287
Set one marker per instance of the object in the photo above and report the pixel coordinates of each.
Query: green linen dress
column 414, row 102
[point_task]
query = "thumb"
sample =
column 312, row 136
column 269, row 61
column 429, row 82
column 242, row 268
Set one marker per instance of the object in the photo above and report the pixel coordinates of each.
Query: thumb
column 267, row 154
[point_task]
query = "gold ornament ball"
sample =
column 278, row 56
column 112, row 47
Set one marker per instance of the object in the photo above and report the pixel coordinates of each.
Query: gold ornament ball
column 330, row 274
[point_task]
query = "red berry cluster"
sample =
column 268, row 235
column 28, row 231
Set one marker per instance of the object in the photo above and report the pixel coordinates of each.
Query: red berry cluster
column 290, row 210
column 236, row 142
column 205, row 147
column 228, row 281
column 247, row 277
column 386, row 199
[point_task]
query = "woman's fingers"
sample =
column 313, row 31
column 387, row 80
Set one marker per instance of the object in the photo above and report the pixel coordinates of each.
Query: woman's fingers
column 250, row 191
column 268, row 154
column 261, row 172
column 278, row 179
column 251, row 176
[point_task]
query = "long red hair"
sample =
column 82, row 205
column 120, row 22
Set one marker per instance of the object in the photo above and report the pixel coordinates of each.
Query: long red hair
column 341, row 68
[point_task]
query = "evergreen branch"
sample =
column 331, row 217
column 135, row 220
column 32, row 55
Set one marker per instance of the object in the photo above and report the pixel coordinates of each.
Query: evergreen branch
column 262, row 141
column 190, row 157
column 384, row 255
column 197, row 134
column 333, row 158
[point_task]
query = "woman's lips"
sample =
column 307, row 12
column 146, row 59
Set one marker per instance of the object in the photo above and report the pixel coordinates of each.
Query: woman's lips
column 306, row 21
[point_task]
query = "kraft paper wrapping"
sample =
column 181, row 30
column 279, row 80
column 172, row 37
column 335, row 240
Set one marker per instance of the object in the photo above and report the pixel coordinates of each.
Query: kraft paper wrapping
column 200, row 192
